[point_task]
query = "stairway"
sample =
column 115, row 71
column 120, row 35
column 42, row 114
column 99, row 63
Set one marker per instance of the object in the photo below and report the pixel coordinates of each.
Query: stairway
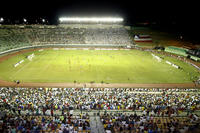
column 96, row 125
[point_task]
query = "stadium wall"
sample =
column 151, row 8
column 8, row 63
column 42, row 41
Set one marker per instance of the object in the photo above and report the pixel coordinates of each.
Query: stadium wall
column 63, row 46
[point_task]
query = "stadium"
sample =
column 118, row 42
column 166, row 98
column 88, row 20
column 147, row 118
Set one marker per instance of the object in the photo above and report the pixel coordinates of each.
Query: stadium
column 87, row 74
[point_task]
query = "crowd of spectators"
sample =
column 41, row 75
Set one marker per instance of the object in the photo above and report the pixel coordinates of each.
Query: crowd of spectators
column 155, row 101
column 124, row 123
column 117, row 36
column 36, row 124
column 33, row 109
column 15, row 37
column 105, row 36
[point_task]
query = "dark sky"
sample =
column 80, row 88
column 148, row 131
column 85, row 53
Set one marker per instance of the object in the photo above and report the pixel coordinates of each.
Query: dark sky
column 178, row 15
column 132, row 10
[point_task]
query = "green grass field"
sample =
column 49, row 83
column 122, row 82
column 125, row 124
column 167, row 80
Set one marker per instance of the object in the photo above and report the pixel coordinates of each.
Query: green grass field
column 84, row 66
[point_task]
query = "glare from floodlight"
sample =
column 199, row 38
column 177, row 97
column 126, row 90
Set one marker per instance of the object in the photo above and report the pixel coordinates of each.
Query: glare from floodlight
column 91, row 19
column 25, row 20
column 1, row 19
column 43, row 20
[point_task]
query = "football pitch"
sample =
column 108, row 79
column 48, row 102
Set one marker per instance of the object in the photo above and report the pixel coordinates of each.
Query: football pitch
column 95, row 66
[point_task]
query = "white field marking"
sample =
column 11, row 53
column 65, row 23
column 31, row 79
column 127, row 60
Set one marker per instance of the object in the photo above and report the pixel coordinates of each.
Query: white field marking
column 172, row 64
column 11, row 77
column 175, row 66
column 85, row 48
column 168, row 62
column 18, row 63
column 41, row 50
column 157, row 57
column 19, row 70
column 30, row 57
column 97, row 49
column 104, row 49
column 55, row 48
column 70, row 48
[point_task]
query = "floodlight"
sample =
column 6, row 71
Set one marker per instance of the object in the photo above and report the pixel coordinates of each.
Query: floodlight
column 43, row 20
column 25, row 20
column 1, row 19
column 90, row 19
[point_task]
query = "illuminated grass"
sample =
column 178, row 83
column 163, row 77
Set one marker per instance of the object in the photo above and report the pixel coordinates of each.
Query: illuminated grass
column 120, row 66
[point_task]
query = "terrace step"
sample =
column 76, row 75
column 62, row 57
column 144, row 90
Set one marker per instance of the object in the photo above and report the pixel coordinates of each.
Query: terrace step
column 96, row 125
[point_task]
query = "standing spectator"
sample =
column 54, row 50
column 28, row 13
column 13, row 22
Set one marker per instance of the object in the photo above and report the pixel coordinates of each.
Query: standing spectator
column 51, row 112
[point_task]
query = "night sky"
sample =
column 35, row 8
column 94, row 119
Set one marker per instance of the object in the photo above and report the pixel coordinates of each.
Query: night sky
column 182, row 14
column 132, row 10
